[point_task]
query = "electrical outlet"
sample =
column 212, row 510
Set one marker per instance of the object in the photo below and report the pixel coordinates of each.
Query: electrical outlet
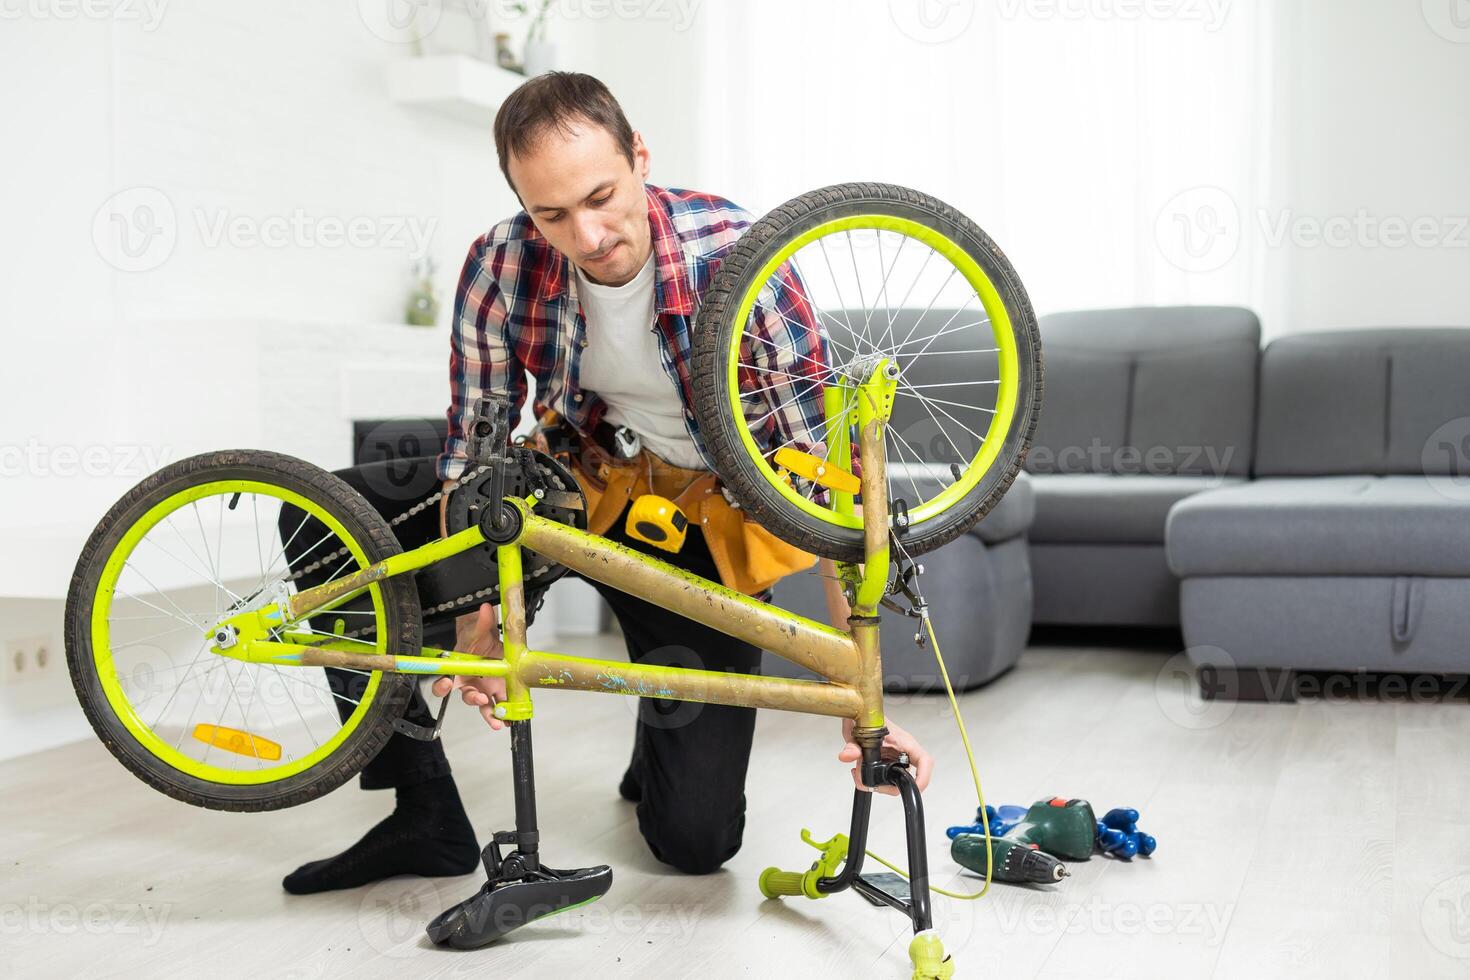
column 28, row 658
column 13, row 663
column 43, row 657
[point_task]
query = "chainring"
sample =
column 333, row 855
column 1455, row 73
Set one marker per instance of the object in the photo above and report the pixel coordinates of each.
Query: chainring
column 527, row 471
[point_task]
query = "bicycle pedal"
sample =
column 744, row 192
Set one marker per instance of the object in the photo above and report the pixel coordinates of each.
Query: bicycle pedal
column 500, row 907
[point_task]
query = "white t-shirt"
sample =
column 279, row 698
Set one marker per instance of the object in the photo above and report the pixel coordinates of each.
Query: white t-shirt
column 622, row 364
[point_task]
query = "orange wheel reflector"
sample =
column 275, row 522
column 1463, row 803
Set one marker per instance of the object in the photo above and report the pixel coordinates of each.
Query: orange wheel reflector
column 238, row 742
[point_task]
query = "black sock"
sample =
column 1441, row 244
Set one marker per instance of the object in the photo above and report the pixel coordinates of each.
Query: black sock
column 428, row 833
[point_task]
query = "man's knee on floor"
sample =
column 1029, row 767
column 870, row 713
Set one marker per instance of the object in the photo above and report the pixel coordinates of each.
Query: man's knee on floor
column 691, row 849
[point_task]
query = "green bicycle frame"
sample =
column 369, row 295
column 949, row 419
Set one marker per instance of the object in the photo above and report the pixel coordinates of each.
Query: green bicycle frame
column 848, row 660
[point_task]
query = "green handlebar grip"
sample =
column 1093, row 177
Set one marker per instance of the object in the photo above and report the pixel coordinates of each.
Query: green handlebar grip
column 774, row 883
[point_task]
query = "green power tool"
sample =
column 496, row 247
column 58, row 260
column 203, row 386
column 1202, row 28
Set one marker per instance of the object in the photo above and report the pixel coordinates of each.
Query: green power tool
column 1029, row 850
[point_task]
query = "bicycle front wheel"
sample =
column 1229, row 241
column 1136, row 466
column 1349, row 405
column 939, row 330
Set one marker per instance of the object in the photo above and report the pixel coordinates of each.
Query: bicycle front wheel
column 195, row 543
column 810, row 300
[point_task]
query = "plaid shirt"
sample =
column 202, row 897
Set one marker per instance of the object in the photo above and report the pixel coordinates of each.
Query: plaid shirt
column 516, row 311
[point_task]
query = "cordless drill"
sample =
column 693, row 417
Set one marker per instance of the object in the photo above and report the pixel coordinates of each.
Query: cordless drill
column 1028, row 850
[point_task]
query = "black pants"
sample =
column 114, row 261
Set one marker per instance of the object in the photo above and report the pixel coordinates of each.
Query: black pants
column 689, row 760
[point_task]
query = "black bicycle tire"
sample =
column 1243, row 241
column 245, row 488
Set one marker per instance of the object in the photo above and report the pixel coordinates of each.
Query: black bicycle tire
column 711, row 345
column 401, row 608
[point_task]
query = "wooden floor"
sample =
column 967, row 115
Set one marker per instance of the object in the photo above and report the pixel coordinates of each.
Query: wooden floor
column 1308, row 840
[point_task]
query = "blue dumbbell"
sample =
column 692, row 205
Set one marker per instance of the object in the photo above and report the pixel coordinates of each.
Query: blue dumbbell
column 1000, row 821
column 1118, row 834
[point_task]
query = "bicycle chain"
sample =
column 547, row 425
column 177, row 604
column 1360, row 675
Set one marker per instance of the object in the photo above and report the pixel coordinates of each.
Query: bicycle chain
column 418, row 508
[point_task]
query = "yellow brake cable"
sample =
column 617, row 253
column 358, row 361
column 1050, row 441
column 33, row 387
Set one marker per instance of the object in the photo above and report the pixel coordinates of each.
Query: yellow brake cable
column 974, row 773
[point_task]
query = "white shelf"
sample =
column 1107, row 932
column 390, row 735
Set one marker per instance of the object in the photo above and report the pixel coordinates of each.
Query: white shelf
column 455, row 85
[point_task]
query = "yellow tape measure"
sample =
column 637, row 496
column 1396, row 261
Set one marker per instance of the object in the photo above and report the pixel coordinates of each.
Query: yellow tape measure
column 658, row 521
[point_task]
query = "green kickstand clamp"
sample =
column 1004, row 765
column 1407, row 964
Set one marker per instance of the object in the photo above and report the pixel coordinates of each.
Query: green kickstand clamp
column 774, row 882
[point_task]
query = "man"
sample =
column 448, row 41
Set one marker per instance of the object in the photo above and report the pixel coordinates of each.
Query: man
column 593, row 288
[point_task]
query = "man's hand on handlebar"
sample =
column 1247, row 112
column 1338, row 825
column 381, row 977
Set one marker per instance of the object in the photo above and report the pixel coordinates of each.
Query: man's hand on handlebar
column 477, row 633
column 897, row 740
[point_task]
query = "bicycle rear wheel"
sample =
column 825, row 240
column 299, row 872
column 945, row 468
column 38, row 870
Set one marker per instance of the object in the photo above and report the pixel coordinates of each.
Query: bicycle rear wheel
column 201, row 540
column 810, row 300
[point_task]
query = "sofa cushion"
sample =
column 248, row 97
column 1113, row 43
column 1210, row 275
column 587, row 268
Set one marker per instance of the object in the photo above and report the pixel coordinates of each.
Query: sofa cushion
column 1156, row 390
column 1327, row 525
column 1101, row 508
column 1363, row 401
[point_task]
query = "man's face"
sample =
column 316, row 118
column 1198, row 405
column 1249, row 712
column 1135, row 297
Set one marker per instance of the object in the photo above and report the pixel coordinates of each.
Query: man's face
column 587, row 201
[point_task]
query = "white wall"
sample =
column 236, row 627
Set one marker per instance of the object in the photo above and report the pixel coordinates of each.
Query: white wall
column 212, row 116
column 1378, row 139
column 219, row 115
column 1127, row 153
column 1064, row 137
column 218, row 112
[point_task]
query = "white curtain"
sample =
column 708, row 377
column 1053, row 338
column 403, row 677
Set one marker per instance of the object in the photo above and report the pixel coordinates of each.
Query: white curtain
column 1111, row 147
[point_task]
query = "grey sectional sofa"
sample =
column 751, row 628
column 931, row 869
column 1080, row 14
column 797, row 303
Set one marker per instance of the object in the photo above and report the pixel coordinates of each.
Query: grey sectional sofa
column 1350, row 550
column 1143, row 408
column 979, row 586
column 1305, row 507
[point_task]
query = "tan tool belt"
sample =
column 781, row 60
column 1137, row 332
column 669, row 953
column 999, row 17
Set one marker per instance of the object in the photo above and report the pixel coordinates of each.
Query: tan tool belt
column 750, row 559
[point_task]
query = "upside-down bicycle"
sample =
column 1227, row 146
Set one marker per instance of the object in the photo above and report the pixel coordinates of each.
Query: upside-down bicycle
column 208, row 596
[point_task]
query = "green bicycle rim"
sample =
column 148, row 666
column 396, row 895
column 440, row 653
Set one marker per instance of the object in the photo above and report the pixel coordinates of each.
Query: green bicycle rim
column 107, row 670
column 1000, row 320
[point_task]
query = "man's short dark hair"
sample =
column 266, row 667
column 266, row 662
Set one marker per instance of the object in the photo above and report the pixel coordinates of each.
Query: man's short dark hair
column 554, row 101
